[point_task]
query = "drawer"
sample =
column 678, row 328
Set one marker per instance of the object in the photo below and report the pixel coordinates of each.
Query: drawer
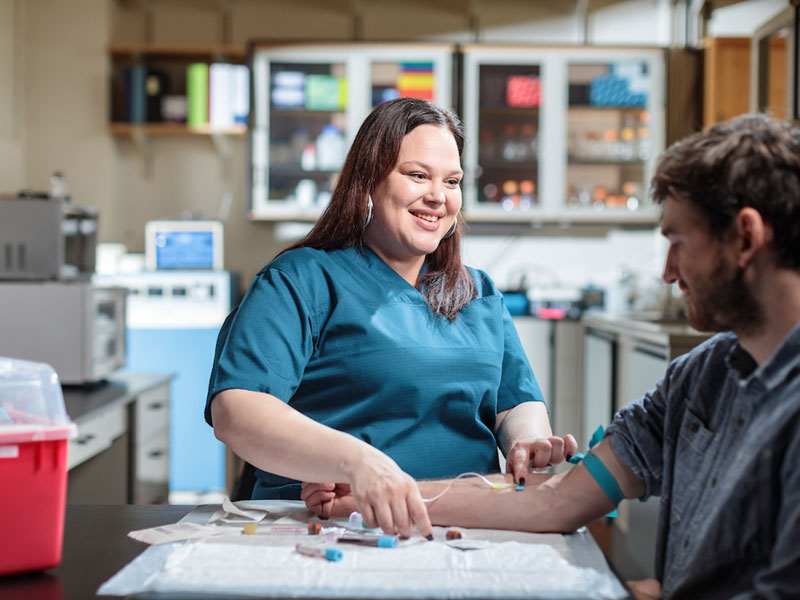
column 152, row 460
column 95, row 434
column 152, row 413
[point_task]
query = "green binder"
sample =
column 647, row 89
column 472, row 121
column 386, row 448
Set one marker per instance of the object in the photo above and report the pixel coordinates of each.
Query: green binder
column 197, row 94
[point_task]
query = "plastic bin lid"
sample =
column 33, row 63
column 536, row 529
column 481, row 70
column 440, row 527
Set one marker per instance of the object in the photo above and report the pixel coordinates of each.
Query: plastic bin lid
column 31, row 403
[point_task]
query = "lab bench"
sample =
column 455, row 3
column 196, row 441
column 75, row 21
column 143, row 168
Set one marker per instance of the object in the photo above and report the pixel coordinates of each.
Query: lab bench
column 96, row 547
column 121, row 452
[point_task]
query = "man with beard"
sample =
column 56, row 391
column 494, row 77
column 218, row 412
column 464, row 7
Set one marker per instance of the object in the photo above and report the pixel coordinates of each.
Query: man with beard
column 718, row 438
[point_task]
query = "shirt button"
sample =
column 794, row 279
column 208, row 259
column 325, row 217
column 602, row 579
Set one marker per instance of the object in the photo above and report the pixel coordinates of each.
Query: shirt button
column 739, row 421
column 713, row 481
column 685, row 543
column 693, row 427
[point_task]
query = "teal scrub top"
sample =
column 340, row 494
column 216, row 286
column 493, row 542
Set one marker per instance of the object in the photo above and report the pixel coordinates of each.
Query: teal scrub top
column 345, row 340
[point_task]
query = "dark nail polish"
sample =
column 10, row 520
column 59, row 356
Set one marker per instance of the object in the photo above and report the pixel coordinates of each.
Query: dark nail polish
column 429, row 537
column 569, row 456
column 522, row 481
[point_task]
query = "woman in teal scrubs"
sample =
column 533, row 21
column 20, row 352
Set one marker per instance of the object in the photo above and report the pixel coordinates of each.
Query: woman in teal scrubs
column 366, row 354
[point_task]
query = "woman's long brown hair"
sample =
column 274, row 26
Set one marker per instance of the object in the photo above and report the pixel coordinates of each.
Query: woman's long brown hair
column 447, row 285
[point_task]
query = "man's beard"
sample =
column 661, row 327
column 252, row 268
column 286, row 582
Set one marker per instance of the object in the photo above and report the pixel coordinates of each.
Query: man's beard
column 723, row 302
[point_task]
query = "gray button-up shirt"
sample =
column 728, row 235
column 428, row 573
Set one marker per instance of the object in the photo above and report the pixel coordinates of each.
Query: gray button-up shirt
column 718, row 439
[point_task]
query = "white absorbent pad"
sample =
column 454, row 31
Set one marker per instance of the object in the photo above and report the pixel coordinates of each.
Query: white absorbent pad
column 504, row 565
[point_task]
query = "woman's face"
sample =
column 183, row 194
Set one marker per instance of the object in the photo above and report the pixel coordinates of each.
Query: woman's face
column 415, row 205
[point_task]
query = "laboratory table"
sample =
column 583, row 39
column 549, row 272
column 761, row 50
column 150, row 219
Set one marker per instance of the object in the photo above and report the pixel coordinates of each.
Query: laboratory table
column 96, row 546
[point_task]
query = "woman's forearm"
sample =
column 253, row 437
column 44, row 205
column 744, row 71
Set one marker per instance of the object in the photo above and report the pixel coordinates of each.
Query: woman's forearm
column 272, row 436
column 526, row 421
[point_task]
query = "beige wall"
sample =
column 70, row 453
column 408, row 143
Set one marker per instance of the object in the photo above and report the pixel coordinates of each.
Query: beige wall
column 12, row 130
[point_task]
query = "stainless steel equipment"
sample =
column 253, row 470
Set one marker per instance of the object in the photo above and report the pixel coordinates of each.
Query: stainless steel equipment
column 76, row 327
column 44, row 238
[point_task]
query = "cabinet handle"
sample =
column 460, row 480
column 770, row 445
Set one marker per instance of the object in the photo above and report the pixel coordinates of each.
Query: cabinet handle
column 155, row 405
column 603, row 335
column 650, row 352
column 156, row 453
column 85, row 439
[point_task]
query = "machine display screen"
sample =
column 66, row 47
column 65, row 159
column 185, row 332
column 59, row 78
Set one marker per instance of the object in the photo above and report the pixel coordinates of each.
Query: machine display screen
column 184, row 249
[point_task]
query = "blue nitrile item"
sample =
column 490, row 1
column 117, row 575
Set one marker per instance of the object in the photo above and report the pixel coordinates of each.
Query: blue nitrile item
column 387, row 541
column 333, row 554
column 613, row 490
column 596, row 438
column 516, row 302
column 603, row 477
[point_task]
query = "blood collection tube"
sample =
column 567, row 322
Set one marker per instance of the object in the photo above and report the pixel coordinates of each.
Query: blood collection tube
column 381, row 541
column 326, row 552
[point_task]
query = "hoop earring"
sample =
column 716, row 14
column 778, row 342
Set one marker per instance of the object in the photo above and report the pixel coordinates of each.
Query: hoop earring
column 452, row 229
column 369, row 211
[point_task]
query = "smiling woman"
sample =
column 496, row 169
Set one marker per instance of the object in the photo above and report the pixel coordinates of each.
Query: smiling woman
column 367, row 354
column 417, row 203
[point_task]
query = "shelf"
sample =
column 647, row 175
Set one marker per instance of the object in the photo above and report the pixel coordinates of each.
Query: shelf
column 536, row 216
column 506, row 111
column 588, row 107
column 173, row 129
column 509, row 164
column 156, row 50
column 296, row 171
column 605, row 162
column 287, row 211
column 302, row 113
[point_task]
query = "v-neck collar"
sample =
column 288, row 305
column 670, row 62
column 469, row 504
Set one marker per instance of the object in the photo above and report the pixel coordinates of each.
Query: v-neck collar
column 376, row 264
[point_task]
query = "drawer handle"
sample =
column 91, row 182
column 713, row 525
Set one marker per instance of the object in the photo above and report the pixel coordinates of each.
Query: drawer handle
column 85, row 439
column 155, row 405
column 156, row 453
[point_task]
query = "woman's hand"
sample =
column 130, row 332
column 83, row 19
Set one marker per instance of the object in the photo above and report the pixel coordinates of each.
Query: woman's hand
column 538, row 453
column 328, row 500
column 527, row 441
column 386, row 496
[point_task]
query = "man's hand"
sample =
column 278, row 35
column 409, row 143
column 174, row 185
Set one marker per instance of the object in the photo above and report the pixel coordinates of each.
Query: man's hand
column 645, row 589
column 328, row 500
column 538, row 453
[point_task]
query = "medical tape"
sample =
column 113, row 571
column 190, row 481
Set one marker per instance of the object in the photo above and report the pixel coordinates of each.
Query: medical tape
column 603, row 477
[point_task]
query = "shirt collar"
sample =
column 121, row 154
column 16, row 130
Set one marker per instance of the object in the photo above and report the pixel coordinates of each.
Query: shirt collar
column 784, row 360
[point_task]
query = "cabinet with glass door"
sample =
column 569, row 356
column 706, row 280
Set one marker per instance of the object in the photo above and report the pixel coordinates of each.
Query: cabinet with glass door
column 309, row 102
column 561, row 135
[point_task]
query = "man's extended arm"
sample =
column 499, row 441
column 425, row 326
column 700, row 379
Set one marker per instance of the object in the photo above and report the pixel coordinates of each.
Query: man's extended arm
column 549, row 503
column 557, row 503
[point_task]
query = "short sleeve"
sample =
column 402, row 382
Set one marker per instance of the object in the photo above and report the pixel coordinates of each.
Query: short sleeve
column 518, row 383
column 265, row 344
column 637, row 435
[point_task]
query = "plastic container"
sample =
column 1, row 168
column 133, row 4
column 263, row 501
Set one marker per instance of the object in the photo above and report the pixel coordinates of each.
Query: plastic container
column 34, row 429
column 331, row 148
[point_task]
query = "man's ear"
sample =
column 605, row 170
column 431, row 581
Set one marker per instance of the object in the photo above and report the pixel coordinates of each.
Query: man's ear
column 754, row 235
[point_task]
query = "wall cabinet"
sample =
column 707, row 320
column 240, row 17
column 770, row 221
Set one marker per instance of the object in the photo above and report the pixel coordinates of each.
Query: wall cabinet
column 149, row 473
column 554, row 351
column 309, row 102
column 553, row 135
column 121, row 452
column 561, row 134
column 726, row 77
